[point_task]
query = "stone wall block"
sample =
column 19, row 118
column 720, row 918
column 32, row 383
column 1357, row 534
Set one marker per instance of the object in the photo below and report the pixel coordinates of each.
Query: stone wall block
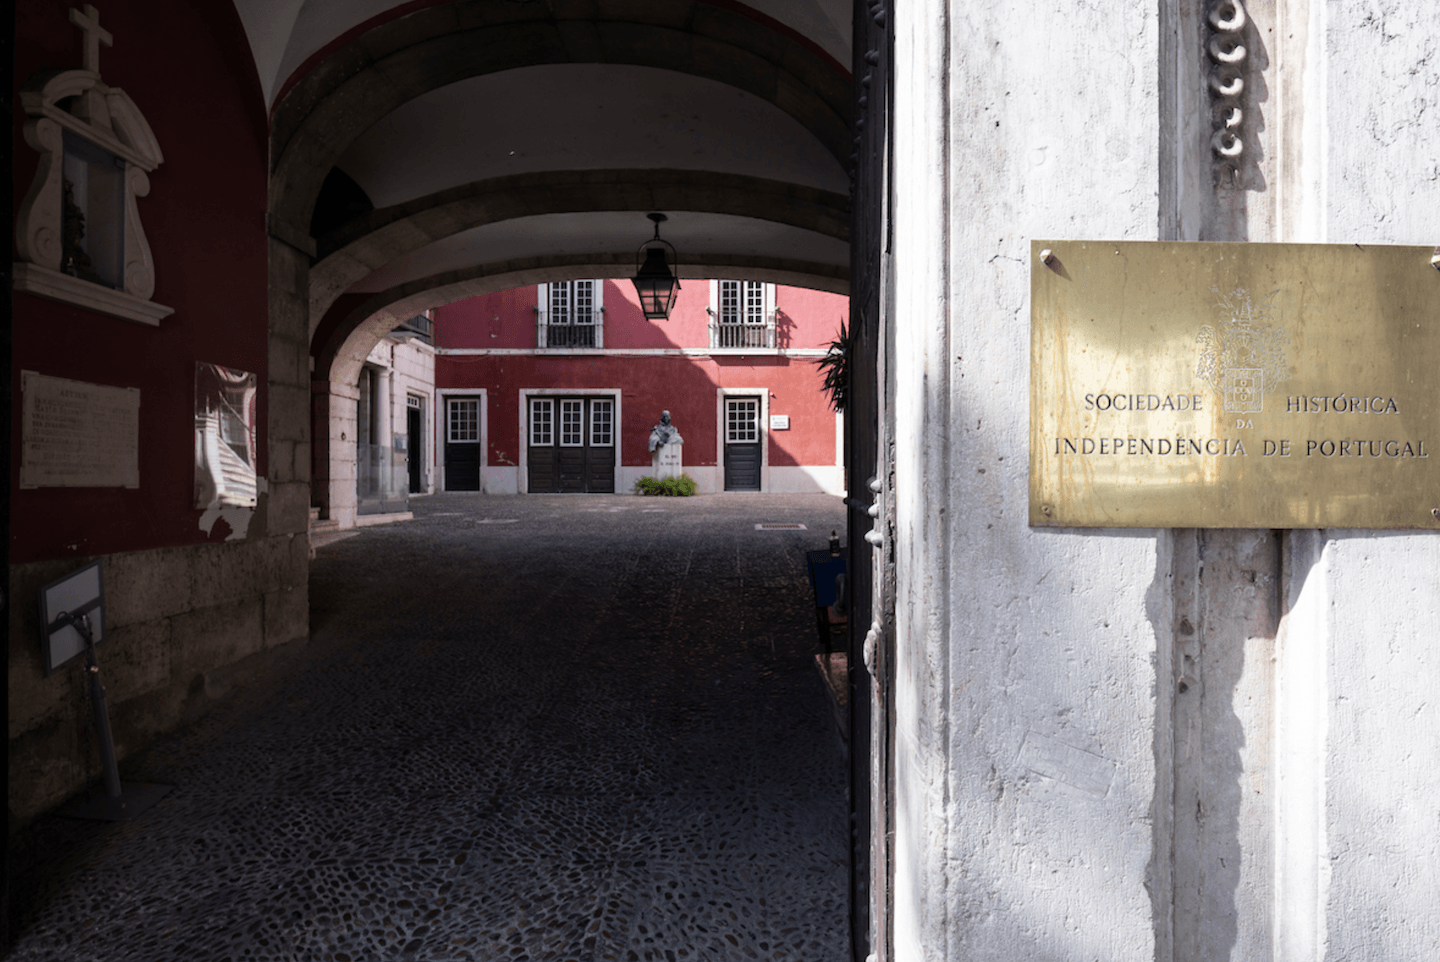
column 289, row 277
column 282, row 461
column 289, row 462
column 178, row 620
column 232, row 571
column 208, row 638
column 300, row 461
column 289, row 315
column 289, row 508
column 142, row 586
column 136, row 721
column 349, row 392
column 135, row 659
column 50, row 762
column 342, row 471
column 289, row 361
column 289, row 411
column 37, row 699
column 287, row 615
column 293, row 552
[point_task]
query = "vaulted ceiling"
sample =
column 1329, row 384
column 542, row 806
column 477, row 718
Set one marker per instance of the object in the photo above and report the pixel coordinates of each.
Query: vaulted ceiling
column 499, row 140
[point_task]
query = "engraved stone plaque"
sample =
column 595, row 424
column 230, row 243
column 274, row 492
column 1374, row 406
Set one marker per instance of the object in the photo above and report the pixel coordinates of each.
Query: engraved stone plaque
column 78, row 435
column 1234, row 385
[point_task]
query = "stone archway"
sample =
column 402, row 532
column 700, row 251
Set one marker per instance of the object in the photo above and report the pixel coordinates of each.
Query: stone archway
column 394, row 62
column 345, row 337
column 368, row 243
column 404, row 58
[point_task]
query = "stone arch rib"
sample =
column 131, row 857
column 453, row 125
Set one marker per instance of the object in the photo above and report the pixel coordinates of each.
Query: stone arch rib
column 369, row 242
column 382, row 312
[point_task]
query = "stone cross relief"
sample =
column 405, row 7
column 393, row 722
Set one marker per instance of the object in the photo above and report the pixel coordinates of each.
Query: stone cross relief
column 95, row 35
column 77, row 102
column 91, row 105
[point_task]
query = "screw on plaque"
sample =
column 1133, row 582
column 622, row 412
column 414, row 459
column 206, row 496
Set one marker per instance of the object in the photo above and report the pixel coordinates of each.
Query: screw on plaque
column 1435, row 512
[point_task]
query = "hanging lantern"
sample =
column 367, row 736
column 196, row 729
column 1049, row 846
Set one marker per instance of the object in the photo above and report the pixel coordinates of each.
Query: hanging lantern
column 654, row 278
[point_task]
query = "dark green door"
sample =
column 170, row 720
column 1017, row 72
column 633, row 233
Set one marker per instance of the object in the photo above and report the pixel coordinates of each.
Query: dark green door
column 415, row 432
column 742, row 444
column 462, row 444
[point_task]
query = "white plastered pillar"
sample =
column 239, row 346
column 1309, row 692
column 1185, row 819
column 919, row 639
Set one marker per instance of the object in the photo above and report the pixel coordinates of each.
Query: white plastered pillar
column 1025, row 680
column 1191, row 746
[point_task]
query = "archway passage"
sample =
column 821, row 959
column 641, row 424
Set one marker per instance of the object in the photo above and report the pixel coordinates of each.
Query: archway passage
column 543, row 727
column 472, row 148
column 489, row 146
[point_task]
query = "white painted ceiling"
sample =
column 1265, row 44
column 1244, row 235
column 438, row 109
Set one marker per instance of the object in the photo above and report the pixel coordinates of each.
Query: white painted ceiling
column 283, row 33
column 582, row 117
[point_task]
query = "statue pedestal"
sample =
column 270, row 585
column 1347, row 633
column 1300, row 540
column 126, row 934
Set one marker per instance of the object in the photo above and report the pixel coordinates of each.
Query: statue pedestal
column 666, row 461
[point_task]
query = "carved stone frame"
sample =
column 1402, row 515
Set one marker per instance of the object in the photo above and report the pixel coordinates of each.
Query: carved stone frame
column 107, row 117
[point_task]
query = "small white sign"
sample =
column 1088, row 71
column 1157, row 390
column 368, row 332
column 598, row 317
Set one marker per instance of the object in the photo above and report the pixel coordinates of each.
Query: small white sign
column 779, row 422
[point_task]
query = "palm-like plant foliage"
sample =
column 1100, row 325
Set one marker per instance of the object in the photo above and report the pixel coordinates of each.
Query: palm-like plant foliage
column 835, row 369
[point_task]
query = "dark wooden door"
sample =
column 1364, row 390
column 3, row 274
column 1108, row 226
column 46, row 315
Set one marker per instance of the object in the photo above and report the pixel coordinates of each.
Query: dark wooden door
column 870, row 568
column 415, row 432
column 462, row 444
column 742, row 443
column 571, row 447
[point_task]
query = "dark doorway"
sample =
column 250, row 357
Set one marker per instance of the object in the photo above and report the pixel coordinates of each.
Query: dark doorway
column 462, row 444
column 742, row 444
column 571, row 446
column 415, row 429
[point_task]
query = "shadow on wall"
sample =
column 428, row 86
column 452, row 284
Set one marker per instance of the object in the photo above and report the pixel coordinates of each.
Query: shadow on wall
column 784, row 329
column 1214, row 793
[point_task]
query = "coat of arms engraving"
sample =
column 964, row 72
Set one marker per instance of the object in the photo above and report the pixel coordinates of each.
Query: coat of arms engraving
column 1242, row 356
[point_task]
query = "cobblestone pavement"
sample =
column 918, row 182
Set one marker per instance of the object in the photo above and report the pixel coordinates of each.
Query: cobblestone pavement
column 570, row 728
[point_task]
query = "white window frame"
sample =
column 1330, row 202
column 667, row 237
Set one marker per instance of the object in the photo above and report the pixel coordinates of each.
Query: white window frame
column 767, row 322
column 609, row 429
column 439, row 429
column 732, row 406
column 762, row 424
column 532, row 407
column 569, row 406
column 452, row 404
column 528, row 393
column 543, row 318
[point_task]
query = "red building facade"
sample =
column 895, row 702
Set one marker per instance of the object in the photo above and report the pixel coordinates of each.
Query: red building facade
column 556, row 387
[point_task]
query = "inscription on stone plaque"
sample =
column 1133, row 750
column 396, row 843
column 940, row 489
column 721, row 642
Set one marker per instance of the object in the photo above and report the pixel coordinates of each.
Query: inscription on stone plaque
column 1234, row 385
column 78, row 435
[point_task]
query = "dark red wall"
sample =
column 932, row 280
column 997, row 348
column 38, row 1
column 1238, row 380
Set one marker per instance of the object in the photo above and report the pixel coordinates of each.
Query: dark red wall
column 805, row 319
column 650, row 383
column 686, row 386
column 187, row 66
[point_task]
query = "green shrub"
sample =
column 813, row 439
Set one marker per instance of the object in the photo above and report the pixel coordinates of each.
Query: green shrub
column 681, row 487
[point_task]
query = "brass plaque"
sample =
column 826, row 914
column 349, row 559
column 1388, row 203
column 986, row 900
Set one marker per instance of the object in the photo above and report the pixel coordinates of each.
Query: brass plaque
column 1234, row 385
